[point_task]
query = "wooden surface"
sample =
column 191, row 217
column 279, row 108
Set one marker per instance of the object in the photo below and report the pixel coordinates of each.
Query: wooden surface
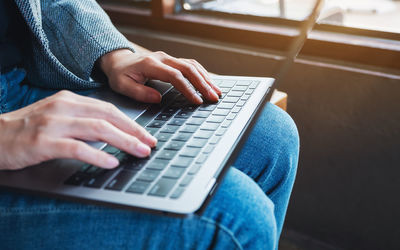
column 279, row 98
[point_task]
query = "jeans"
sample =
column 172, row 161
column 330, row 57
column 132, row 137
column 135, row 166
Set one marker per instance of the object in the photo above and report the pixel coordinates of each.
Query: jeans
column 246, row 212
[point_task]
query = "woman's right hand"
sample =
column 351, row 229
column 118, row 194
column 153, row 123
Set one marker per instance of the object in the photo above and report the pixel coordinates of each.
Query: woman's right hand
column 56, row 126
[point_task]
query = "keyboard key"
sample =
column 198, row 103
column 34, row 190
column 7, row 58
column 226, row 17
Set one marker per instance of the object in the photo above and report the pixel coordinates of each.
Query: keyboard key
column 76, row 179
column 163, row 136
column 190, row 152
column 177, row 122
column 190, row 108
column 162, row 187
column 189, row 129
column 163, row 117
column 202, row 158
column 231, row 99
column 235, row 93
column 254, row 84
column 244, row 98
column 240, row 103
column 225, row 90
column 99, row 178
column 121, row 180
column 156, row 124
column 170, row 110
column 177, row 193
column 174, row 172
column 226, row 105
column 175, row 145
column 217, row 82
column 183, row 115
column 138, row 187
column 195, row 121
column 133, row 163
column 148, row 175
column 152, row 131
column 209, row 126
column 194, row 169
column 243, row 83
column 223, row 112
column 202, row 114
column 159, row 145
column 166, row 154
column 169, row 129
column 231, row 116
column 208, row 149
column 182, row 162
column 249, row 92
column 110, row 149
column 203, row 134
column 215, row 139
column 227, row 84
column 226, row 123
column 215, row 119
column 239, row 88
column 157, row 164
column 186, row 180
column 236, row 109
column 84, row 168
column 220, row 131
column 182, row 137
column 207, row 107
column 197, row 143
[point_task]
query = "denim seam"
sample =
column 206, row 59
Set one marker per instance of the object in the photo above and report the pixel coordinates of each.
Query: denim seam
column 11, row 211
column 223, row 229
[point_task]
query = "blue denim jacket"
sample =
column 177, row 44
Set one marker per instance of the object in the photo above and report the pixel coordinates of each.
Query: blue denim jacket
column 68, row 36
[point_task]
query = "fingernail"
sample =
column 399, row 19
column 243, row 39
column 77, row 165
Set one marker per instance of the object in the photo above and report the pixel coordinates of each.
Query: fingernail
column 152, row 140
column 143, row 149
column 154, row 97
column 198, row 99
column 112, row 162
column 218, row 90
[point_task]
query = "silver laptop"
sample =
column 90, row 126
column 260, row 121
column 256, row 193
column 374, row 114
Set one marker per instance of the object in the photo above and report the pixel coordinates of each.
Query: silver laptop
column 196, row 145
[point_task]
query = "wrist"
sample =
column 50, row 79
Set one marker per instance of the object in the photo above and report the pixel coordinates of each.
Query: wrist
column 109, row 60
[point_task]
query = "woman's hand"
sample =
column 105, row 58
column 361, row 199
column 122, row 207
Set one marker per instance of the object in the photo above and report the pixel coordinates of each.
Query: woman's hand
column 127, row 72
column 55, row 127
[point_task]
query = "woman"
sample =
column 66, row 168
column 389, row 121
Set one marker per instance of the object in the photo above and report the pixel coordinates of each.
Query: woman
column 50, row 52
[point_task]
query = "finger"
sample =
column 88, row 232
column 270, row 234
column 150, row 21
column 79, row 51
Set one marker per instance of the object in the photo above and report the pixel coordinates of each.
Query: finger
column 158, row 70
column 194, row 76
column 73, row 149
column 137, row 91
column 117, row 118
column 205, row 74
column 81, row 106
column 100, row 130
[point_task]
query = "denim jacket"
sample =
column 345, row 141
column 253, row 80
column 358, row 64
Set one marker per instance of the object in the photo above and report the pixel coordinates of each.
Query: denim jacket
column 68, row 36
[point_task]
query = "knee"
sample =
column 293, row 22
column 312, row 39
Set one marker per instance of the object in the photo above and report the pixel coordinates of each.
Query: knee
column 246, row 214
column 280, row 129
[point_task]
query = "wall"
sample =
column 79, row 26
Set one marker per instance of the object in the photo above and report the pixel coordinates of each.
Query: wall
column 346, row 193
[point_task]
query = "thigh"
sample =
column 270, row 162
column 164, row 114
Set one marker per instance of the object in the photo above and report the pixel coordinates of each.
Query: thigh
column 239, row 216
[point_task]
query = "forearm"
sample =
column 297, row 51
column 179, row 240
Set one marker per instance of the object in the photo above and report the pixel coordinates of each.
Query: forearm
column 85, row 31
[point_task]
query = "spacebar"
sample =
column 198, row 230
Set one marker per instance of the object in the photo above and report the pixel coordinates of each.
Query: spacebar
column 149, row 114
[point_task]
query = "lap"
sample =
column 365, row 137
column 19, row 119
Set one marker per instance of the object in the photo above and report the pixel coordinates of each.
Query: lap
column 239, row 216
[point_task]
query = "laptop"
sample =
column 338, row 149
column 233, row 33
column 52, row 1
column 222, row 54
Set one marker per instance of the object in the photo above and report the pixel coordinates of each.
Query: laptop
column 196, row 146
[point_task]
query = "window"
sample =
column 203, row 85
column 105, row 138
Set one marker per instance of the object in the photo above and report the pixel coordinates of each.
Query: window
column 380, row 15
column 245, row 22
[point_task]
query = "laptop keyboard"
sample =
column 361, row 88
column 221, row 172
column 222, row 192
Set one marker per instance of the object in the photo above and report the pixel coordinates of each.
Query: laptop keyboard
column 186, row 135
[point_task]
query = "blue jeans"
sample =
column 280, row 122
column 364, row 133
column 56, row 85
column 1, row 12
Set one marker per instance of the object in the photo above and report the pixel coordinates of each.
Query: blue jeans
column 246, row 212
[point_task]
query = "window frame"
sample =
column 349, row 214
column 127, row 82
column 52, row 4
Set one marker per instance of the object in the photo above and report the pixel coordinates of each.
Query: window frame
column 353, row 45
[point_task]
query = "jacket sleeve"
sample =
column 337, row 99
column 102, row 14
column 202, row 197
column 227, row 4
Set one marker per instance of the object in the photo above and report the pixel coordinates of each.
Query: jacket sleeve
column 79, row 32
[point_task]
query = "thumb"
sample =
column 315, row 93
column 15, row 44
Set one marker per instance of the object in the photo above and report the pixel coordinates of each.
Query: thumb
column 137, row 91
